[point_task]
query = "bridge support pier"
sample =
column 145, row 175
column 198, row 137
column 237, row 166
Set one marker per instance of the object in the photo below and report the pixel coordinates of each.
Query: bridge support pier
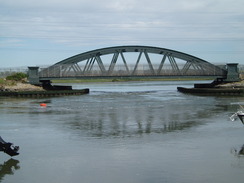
column 33, row 75
column 232, row 72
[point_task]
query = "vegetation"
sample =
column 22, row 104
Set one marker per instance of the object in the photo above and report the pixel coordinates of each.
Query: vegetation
column 13, row 79
column 19, row 76
column 4, row 82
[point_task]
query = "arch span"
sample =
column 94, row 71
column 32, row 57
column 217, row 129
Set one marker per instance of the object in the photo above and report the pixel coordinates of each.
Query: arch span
column 170, row 62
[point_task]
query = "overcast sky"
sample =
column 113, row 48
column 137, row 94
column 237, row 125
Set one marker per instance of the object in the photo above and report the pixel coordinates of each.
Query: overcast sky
column 43, row 32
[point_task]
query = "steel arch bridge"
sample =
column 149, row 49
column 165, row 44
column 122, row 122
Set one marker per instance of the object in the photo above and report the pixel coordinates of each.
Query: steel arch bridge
column 157, row 62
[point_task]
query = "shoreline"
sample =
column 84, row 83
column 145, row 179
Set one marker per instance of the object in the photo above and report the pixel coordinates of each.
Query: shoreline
column 20, row 89
column 27, row 90
column 227, row 89
column 46, row 93
column 212, row 91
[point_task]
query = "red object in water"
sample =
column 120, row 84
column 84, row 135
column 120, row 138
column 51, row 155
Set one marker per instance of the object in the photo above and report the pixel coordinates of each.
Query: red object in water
column 43, row 105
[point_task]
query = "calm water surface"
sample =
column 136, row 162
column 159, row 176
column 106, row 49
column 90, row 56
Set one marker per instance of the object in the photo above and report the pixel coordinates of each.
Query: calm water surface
column 134, row 132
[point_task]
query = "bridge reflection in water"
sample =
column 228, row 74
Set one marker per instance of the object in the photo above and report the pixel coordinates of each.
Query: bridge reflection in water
column 129, row 115
column 116, row 123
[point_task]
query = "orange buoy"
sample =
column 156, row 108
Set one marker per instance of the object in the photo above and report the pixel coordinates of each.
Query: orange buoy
column 43, row 105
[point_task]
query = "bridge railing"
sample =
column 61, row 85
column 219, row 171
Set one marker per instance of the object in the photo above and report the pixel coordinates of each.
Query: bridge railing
column 71, row 70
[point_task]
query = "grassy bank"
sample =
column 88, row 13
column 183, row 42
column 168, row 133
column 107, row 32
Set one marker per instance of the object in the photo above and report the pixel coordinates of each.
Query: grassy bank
column 17, row 82
column 4, row 82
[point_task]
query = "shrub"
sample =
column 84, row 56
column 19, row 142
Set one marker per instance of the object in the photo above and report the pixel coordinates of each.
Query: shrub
column 17, row 76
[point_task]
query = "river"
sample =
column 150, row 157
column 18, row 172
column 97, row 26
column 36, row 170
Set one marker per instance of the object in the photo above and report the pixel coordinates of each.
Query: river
column 133, row 132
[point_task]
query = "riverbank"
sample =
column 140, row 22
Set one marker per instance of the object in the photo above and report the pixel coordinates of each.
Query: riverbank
column 213, row 91
column 19, row 89
column 43, row 93
column 239, row 84
column 227, row 89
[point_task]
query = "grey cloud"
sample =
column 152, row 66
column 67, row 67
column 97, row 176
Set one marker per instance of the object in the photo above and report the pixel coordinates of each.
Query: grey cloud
column 113, row 22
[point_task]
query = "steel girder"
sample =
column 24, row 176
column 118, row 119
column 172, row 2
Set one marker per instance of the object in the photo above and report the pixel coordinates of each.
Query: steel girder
column 68, row 65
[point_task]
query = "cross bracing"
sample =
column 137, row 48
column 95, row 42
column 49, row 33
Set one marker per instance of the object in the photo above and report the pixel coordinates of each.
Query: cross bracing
column 132, row 61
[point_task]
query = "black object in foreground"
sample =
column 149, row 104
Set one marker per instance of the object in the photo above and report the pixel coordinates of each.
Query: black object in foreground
column 8, row 148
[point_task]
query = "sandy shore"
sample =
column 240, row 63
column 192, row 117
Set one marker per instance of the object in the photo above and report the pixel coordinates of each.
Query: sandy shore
column 239, row 84
column 21, row 87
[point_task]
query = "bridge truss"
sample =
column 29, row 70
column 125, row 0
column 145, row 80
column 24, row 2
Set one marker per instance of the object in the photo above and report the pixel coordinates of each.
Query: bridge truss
column 132, row 61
